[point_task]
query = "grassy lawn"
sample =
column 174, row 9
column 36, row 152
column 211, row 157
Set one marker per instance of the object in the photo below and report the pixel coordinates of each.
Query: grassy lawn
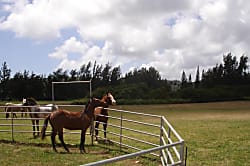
column 215, row 134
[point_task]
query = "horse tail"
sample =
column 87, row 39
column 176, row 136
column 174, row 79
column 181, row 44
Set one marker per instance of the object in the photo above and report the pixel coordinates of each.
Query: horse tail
column 45, row 124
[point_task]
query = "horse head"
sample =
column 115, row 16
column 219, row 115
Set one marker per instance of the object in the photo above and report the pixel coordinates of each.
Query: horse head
column 109, row 98
column 24, row 101
column 93, row 103
column 30, row 101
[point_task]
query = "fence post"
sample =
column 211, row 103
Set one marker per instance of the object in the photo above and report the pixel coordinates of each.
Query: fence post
column 52, row 93
column 12, row 126
column 169, row 133
column 161, row 135
column 182, row 153
column 121, row 116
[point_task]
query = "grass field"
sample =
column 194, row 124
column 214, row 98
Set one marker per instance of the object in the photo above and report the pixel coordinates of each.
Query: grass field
column 215, row 134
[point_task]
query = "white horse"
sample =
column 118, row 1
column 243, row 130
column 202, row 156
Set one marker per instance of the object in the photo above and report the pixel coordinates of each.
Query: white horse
column 11, row 107
column 38, row 111
column 46, row 108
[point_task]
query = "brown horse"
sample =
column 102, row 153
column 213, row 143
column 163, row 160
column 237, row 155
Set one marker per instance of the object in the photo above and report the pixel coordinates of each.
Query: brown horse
column 73, row 121
column 35, row 113
column 103, row 119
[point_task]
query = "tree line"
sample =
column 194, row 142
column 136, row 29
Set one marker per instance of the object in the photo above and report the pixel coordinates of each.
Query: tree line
column 226, row 81
column 229, row 80
column 103, row 77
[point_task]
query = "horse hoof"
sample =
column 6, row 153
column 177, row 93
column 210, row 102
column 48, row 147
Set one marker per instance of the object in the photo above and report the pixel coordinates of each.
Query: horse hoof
column 82, row 151
column 55, row 150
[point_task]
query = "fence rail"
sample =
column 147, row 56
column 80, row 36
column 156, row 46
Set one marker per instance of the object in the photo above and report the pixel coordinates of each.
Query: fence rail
column 126, row 127
column 171, row 152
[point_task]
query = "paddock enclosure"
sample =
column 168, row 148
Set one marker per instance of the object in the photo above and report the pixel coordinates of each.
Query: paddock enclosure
column 133, row 133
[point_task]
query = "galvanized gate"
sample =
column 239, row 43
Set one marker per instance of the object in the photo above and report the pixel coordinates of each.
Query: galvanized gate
column 140, row 132
column 164, row 138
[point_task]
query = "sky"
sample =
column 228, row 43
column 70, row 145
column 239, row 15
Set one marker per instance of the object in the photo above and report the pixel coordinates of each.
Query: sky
column 43, row 35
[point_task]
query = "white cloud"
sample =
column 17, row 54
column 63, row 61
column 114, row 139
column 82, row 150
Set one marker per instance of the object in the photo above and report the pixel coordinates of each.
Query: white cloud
column 169, row 35
column 70, row 46
column 86, row 51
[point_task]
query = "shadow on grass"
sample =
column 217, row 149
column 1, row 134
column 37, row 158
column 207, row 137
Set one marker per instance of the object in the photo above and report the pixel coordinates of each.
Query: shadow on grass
column 37, row 144
column 103, row 147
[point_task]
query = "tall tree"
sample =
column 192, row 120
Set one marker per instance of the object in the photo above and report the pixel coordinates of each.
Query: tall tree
column 115, row 75
column 106, row 74
column 4, row 73
column 73, row 75
column 183, row 79
column 154, row 74
column 59, row 75
column 190, row 82
column 4, row 78
column 190, row 78
column 230, row 72
column 230, row 66
column 96, row 76
column 197, row 78
column 85, row 72
column 242, row 66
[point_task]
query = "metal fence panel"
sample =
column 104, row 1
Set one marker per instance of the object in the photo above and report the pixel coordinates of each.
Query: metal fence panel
column 171, row 151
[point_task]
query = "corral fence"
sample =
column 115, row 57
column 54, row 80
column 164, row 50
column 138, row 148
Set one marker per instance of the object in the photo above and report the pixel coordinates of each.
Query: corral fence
column 133, row 132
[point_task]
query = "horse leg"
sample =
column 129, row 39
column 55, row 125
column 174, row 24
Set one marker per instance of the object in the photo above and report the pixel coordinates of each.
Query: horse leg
column 105, row 128
column 21, row 113
column 62, row 141
column 25, row 112
column 82, row 149
column 37, row 127
column 96, row 130
column 34, row 128
column 14, row 115
column 90, row 129
column 7, row 115
column 53, row 139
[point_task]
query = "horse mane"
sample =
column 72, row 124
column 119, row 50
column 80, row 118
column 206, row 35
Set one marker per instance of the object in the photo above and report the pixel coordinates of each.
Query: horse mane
column 88, row 110
column 86, row 106
column 32, row 100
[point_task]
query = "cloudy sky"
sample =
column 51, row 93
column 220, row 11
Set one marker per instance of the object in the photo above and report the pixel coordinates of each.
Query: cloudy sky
column 172, row 36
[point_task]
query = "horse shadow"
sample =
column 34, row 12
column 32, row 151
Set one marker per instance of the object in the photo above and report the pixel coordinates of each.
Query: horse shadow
column 75, row 147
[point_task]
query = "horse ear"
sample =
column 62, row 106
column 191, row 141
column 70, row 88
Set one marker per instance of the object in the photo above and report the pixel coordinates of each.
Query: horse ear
column 91, row 98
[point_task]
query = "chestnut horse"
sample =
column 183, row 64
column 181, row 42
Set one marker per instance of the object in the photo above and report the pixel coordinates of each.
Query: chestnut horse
column 73, row 121
column 103, row 119
column 34, row 113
